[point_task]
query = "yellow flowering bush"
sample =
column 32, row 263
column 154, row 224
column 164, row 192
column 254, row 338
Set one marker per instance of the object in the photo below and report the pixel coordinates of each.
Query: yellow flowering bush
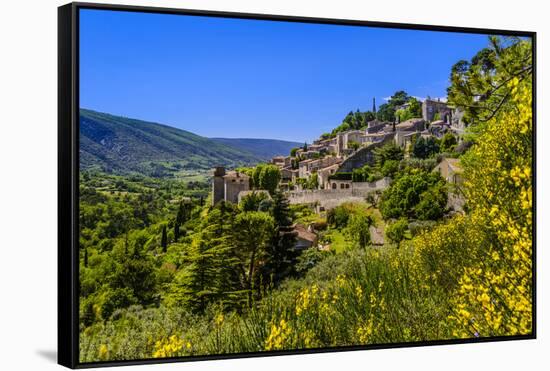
column 495, row 295
column 103, row 352
column 170, row 347
column 278, row 335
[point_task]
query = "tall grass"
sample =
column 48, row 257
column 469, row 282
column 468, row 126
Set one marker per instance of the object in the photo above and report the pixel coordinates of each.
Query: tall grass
column 357, row 297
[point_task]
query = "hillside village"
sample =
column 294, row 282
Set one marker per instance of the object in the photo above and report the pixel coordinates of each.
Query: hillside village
column 328, row 163
column 321, row 175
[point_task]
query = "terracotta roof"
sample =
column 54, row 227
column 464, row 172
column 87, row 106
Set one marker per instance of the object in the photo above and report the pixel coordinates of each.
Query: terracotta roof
column 304, row 234
column 409, row 123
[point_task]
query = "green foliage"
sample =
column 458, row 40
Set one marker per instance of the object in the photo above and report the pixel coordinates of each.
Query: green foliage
column 339, row 216
column 480, row 86
column 425, row 147
column 311, row 182
column 134, row 268
column 266, row 176
column 358, row 229
column 252, row 201
column 361, row 174
column 210, row 275
column 164, row 239
column 395, row 231
column 354, row 145
column 353, row 121
column 182, row 216
column 388, row 152
column 407, row 165
column 282, row 254
column 413, row 110
column 448, row 142
column 390, row 168
column 419, row 195
column 255, row 232
column 386, row 111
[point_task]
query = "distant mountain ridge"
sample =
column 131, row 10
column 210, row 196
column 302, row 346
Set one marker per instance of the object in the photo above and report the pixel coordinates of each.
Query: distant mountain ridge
column 263, row 148
column 123, row 145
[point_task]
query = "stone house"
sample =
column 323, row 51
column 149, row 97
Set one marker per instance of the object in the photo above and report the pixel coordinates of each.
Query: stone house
column 286, row 174
column 335, row 184
column 303, row 168
column 430, row 108
column 305, row 238
column 450, row 170
column 279, row 161
column 227, row 185
column 353, row 136
column 324, row 173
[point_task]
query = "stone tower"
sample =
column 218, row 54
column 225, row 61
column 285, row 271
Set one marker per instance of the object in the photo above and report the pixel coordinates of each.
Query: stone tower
column 218, row 188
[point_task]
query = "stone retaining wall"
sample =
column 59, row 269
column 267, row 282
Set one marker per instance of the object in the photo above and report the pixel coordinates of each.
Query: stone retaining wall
column 329, row 198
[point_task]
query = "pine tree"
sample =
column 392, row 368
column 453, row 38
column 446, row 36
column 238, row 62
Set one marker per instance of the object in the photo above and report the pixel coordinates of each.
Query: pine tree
column 282, row 253
column 253, row 233
column 213, row 272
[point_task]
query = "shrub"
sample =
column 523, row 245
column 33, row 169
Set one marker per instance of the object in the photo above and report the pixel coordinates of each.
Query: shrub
column 395, row 231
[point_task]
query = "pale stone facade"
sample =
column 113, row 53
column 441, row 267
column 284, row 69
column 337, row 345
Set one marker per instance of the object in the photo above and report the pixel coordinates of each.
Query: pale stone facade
column 450, row 170
column 430, row 108
column 227, row 185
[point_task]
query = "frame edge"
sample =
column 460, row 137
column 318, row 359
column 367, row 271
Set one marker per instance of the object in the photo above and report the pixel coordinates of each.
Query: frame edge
column 67, row 344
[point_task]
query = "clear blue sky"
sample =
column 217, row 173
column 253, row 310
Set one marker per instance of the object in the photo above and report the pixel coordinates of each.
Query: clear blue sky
column 255, row 79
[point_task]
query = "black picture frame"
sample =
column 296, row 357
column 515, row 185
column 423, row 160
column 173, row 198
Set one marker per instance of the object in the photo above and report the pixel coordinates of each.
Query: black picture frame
column 68, row 178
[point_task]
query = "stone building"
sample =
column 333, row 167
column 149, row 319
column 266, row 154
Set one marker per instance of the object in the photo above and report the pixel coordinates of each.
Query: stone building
column 340, row 184
column 227, row 185
column 375, row 126
column 430, row 108
column 324, row 174
column 450, row 170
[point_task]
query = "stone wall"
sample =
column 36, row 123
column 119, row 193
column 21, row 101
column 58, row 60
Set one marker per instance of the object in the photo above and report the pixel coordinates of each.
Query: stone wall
column 363, row 156
column 329, row 198
column 431, row 107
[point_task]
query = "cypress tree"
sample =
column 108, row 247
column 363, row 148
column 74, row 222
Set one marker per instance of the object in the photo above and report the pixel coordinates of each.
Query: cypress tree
column 182, row 216
column 176, row 232
column 164, row 239
column 86, row 257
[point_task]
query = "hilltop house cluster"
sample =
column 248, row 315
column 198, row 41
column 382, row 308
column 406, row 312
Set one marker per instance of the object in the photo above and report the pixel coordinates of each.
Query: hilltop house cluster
column 354, row 148
column 326, row 158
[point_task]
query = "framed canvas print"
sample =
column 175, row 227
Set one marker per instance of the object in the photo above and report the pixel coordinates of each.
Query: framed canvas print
column 236, row 185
